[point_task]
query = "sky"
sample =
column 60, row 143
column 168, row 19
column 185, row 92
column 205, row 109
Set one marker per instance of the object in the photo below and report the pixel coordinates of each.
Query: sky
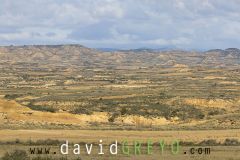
column 122, row 24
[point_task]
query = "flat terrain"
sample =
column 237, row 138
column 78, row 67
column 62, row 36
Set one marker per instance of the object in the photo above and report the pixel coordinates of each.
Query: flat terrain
column 110, row 136
column 218, row 151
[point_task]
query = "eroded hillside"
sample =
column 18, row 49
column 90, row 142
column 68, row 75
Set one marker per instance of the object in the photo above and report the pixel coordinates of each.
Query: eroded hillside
column 71, row 86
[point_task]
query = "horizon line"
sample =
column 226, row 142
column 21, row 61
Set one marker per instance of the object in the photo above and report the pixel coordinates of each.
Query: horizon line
column 163, row 48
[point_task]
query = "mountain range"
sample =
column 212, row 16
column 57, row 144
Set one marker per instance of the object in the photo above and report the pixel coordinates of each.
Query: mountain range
column 79, row 55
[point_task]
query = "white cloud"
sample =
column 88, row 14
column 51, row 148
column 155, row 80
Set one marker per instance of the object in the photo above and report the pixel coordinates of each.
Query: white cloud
column 14, row 36
column 179, row 4
column 127, row 23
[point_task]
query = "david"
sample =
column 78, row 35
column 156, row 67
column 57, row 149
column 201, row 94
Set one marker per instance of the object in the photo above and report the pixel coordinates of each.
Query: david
column 76, row 148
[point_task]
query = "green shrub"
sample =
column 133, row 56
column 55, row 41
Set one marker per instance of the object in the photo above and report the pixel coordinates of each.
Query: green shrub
column 12, row 96
column 42, row 108
column 42, row 158
column 46, row 142
column 231, row 142
column 113, row 117
column 124, row 111
column 16, row 155
column 49, row 158
column 209, row 142
column 81, row 111
column 215, row 111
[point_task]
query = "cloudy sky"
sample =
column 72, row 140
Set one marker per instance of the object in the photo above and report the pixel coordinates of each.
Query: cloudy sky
column 186, row 24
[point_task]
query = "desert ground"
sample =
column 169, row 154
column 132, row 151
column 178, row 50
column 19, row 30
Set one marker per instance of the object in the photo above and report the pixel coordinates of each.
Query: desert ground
column 71, row 91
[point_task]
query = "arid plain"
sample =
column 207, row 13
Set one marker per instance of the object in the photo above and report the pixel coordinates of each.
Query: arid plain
column 82, row 94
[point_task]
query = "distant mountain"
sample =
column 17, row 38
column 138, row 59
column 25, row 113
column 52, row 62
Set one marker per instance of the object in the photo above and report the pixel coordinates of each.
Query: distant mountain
column 107, row 49
column 80, row 56
column 143, row 49
column 235, row 50
column 226, row 51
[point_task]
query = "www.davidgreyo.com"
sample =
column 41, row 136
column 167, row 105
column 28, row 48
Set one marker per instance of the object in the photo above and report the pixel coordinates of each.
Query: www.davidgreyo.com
column 127, row 147
column 124, row 148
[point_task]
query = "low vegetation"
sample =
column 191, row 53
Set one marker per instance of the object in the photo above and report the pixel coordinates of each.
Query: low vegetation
column 42, row 108
column 16, row 155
